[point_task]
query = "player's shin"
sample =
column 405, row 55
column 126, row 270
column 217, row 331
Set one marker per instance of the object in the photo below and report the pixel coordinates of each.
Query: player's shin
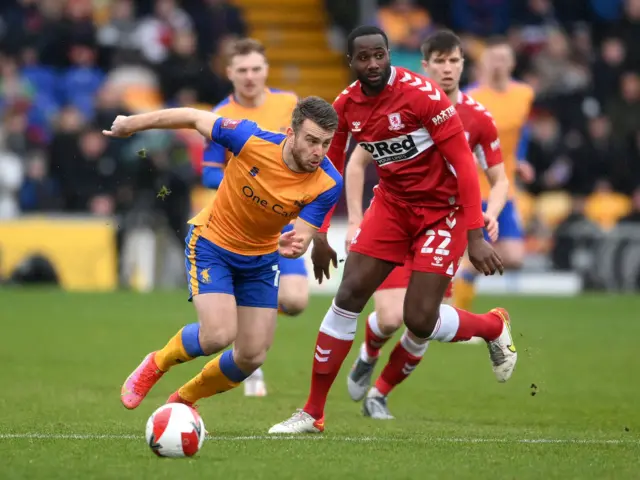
column 456, row 325
column 374, row 339
column 219, row 375
column 335, row 338
column 403, row 360
column 464, row 290
column 183, row 346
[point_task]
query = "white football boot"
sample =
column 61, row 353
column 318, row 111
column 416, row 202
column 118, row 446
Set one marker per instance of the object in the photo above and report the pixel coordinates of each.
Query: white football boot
column 502, row 350
column 300, row 422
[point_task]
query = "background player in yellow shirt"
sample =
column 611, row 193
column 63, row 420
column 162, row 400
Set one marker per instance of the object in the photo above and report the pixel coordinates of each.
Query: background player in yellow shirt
column 509, row 103
column 234, row 244
column 271, row 109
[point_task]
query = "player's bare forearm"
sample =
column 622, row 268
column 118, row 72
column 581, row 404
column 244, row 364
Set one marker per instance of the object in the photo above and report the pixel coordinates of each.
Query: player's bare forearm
column 498, row 195
column 174, row 118
column 354, row 183
column 306, row 233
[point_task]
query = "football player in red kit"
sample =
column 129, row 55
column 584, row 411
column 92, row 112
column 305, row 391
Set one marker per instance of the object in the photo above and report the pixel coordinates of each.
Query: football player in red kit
column 443, row 63
column 427, row 203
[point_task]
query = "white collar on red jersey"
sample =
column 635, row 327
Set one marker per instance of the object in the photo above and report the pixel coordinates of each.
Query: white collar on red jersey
column 460, row 96
column 392, row 77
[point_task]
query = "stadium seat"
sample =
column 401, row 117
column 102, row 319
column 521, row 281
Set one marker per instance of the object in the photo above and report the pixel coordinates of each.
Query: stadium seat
column 551, row 208
column 525, row 203
column 606, row 208
column 300, row 55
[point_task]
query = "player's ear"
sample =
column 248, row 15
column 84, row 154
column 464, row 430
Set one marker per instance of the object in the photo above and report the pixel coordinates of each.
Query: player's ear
column 229, row 72
column 290, row 133
column 424, row 65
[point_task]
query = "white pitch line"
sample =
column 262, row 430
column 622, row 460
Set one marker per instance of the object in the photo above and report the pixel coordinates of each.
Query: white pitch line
column 470, row 440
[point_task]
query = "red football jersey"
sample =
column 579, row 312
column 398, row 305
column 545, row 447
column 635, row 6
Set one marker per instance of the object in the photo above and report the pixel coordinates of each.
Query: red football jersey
column 480, row 130
column 404, row 128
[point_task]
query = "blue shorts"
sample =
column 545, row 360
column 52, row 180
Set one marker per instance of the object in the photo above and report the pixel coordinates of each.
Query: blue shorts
column 508, row 222
column 292, row 266
column 252, row 280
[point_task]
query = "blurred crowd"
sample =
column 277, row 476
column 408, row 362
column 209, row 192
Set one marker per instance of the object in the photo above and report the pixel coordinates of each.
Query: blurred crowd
column 69, row 66
column 582, row 57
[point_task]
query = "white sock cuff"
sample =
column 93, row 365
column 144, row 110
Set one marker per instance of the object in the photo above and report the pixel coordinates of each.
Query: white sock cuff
column 364, row 355
column 447, row 325
column 339, row 323
column 372, row 321
column 414, row 348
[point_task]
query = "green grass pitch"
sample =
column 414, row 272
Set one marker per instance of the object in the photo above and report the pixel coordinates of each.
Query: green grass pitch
column 64, row 357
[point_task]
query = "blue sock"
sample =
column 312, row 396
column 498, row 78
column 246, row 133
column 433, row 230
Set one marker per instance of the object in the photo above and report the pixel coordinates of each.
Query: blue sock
column 230, row 369
column 190, row 340
column 468, row 276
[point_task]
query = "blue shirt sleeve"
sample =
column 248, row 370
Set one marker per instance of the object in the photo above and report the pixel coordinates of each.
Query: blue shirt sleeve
column 212, row 176
column 233, row 134
column 214, row 159
column 315, row 212
column 523, row 143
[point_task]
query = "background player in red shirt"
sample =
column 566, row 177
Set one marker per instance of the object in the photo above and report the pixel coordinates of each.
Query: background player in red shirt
column 420, row 206
column 443, row 62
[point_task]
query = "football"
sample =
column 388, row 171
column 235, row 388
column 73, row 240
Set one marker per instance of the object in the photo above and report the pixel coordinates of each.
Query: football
column 175, row 430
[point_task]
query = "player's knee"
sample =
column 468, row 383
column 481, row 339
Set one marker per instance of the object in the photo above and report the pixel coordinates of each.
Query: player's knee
column 389, row 318
column 249, row 360
column 214, row 338
column 421, row 316
column 512, row 254
column 293, row 303
column 512, row 260
column 352, row 295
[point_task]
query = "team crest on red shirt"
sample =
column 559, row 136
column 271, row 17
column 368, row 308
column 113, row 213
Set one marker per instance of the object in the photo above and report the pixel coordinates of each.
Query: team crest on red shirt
column 395, row 122
column 230, row 124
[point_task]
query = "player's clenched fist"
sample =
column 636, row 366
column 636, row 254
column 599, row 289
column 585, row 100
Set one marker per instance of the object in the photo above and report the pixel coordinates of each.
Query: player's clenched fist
column 120, row 128
column 482, row 255
column 351, row 233
column 491, row 225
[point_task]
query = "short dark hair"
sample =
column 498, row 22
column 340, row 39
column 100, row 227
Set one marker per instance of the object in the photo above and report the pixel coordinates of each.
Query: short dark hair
column 362, row 31
column 245, row 46
column 443, row 41
column 317, row 110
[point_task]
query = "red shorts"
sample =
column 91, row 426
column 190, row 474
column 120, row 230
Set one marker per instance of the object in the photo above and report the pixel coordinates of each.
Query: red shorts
column 429, row 239
column 399, row 278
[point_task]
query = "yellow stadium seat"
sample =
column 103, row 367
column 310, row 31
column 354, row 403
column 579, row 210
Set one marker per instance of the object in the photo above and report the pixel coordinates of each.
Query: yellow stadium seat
column 606, row 208
column 525, row 204
column 553, row 207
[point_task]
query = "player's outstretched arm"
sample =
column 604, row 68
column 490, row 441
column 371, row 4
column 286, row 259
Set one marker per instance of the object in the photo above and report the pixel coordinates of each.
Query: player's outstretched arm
column 354, row 189
column 167, row 119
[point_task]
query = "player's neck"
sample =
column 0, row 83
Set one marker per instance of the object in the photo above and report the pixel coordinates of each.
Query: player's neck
column 250, row 102
column 453, row 96
column 499, row 84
